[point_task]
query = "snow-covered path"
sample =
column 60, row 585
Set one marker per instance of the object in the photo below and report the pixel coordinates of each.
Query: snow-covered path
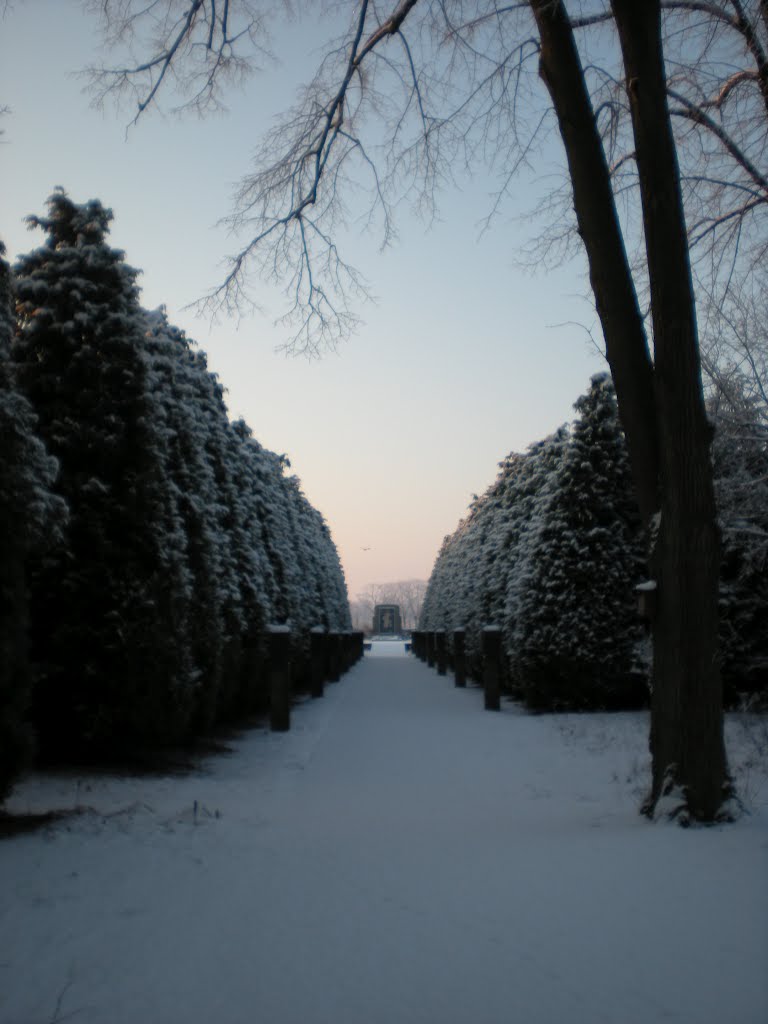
column 400, row 857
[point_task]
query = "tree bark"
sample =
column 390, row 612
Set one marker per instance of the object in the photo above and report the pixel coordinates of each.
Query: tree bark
column 661, row 405
column 687, row 718
column 610, row 276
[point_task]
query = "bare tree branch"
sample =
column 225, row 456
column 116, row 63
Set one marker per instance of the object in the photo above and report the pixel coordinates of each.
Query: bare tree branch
column 194, row 44
column 738, row 21
column 698, row 115
column 445, row 83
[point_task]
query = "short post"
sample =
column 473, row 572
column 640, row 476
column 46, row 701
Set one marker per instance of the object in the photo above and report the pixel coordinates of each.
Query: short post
column 334, row 642
column 342, row 653
column 430, row 639
column 491, row 646
column 350, row 650
column 647, row 597
column 317, row 652
column 253, row 658
column 459, row 659
column 440, row 653
column 421, row 646
column 359, row 636
column 279, row 641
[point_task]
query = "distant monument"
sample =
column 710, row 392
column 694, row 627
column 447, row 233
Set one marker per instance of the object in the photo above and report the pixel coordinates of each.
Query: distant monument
column 387, row 620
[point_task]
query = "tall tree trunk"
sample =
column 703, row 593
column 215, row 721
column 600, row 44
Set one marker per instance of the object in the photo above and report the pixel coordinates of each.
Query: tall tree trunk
column 613, row 288
column 687, row 722
column 661, row 407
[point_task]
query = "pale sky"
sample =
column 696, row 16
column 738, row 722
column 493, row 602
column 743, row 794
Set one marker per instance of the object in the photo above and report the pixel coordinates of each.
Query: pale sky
column 464, row 357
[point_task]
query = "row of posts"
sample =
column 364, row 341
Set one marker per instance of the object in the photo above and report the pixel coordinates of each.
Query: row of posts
column 433, row 647
column 330, row 656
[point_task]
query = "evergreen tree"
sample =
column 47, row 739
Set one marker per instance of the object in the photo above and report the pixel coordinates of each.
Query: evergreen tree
column 186, row 537
column 478, row 553
column 258, row 552
column 28, row 513
column 481, row 567
column 531, row 486
column 108, row 605
column 322, row 599
column 196, row 419
column 576, row 628
column 740, row 456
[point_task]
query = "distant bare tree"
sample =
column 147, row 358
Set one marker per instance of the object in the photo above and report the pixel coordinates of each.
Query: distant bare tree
column 358, row 611
column 407, row 594
column 366, row 600
column 410, row 598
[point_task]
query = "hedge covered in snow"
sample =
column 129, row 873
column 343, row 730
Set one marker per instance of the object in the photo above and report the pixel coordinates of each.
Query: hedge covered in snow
column 172, row 536
column 552, row 552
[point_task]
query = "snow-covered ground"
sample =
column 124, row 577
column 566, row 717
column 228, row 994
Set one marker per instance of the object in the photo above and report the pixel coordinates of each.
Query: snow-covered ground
column 399, row 857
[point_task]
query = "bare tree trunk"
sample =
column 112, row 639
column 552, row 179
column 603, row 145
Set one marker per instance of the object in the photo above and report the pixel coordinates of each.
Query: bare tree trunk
column 687, row 721
column 610, row 275
column 661, row 408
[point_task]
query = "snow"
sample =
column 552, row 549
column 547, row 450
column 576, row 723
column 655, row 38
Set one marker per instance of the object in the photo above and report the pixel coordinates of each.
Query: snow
column 400, row 857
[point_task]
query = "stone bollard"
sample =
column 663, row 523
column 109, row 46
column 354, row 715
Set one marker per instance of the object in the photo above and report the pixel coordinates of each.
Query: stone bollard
column 491, row 647
column 459, row 660
column 343, row 653
column 317, row 660
column 441, row 655
column 421, row 651
column 279, row 653
column 359, row 644
column 430, row 645
column 334, row 648
column 350, row 650
column 415, row 638
column 253, row 672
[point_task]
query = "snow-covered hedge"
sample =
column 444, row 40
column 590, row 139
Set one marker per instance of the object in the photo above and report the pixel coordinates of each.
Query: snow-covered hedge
column 552, row 552
column 29, row 512
column 185, row 536
column 740, row 454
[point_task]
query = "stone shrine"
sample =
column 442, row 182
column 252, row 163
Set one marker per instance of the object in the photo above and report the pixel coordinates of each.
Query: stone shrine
column 387, row 620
